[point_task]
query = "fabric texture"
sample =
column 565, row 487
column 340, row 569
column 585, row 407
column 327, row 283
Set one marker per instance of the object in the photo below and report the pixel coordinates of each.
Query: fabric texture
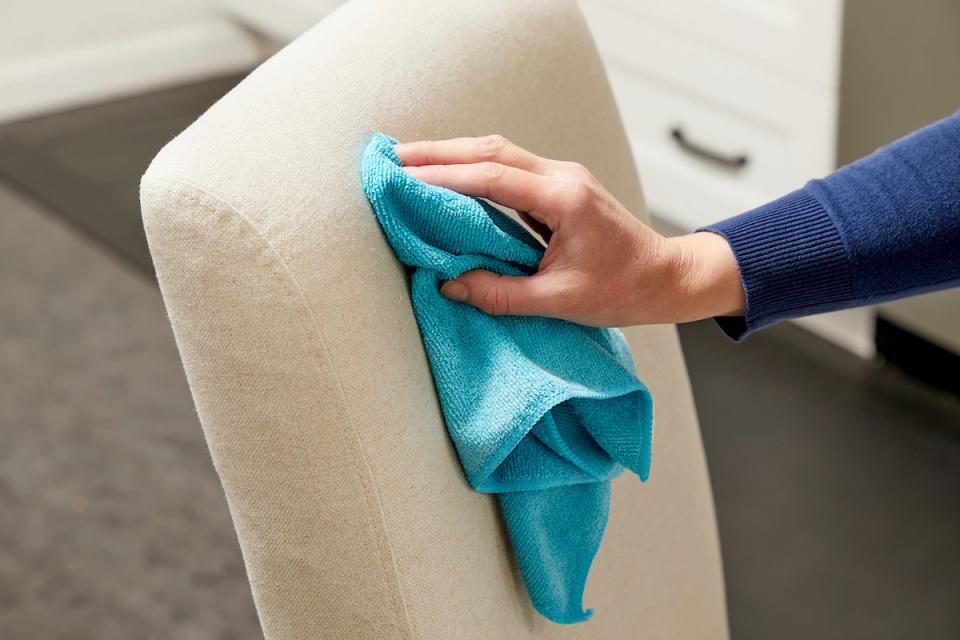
column 543, row 412
column 298, row 339
column 884, row 227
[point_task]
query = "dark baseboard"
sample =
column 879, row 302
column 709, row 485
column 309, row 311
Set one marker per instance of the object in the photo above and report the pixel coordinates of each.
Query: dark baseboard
column 917, row 356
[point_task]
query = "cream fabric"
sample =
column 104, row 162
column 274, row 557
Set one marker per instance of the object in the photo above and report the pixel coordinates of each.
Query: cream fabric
column 298, row 340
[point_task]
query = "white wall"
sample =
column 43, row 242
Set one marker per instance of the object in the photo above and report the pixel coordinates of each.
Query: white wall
column 37, row 27
column 282, row 20
column 56, row 54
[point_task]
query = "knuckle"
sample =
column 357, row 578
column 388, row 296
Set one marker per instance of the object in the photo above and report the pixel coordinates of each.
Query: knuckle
column 491, row 170
column 491, row 146
column 581, row 193
column 431, row 151
column 496, row 302
column 579, row 172
column 490, row 173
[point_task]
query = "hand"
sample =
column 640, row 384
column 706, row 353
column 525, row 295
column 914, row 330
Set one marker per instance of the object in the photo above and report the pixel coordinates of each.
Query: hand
column 602, row 266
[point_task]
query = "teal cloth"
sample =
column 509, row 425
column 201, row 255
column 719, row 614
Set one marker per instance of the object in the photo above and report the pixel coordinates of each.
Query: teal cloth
column 543, row 412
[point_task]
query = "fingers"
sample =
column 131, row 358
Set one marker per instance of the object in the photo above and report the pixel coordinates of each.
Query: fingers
column 509, row 186
column 494, row 168
column 493, row 148
column 535, row 295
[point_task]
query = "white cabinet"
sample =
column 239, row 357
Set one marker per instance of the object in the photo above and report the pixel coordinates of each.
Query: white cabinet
column 767, row 94
column 722, row 109
column 800, row 37
column 729, row 104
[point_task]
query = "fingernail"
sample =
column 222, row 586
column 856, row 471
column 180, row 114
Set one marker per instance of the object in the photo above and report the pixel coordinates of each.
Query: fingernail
column 454, row 290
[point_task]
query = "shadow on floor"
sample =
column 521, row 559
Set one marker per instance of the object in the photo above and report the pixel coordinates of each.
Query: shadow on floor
column 837, row 484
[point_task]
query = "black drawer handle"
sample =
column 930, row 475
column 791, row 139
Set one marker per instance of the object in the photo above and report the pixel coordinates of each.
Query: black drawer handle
column 734, row 161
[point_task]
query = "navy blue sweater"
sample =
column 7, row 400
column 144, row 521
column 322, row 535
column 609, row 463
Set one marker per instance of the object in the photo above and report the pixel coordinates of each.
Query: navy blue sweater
column 884, row 227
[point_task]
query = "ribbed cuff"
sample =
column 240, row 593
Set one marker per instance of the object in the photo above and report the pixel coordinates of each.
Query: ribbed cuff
column 792, row 261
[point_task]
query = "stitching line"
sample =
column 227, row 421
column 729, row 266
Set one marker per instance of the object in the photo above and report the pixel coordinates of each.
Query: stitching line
column 366, row 474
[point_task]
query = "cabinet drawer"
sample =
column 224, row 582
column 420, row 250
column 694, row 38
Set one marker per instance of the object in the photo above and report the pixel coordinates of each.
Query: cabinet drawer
column 714, row 75
column 800, row 37
column 684, row 147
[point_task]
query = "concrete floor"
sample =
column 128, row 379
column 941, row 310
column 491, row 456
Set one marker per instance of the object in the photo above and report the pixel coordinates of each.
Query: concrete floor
column 837, row 482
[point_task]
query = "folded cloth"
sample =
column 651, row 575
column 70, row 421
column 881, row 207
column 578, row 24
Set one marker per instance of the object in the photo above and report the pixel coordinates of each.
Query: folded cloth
column 543, row 412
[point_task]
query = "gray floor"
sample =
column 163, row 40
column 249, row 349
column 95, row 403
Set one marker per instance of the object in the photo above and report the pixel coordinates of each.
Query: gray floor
column 112, row 522
column 837, row 485
column 837, row 481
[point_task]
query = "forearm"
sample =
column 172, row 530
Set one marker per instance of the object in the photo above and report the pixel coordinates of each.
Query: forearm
column 884, row 227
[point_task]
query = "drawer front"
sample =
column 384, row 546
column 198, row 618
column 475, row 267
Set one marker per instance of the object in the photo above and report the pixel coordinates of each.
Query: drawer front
column 700, row 162
column 800, row 37
column 717, row 76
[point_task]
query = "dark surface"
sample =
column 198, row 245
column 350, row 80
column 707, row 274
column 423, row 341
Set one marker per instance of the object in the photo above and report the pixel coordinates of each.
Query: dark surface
column 922, row 359
column 87, row 163
column 837, row 482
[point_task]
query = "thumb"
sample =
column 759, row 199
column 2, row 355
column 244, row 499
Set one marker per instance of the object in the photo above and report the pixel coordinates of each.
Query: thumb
column 503, row 295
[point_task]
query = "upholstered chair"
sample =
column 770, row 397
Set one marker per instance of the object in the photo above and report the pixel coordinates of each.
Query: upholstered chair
column 294, row 324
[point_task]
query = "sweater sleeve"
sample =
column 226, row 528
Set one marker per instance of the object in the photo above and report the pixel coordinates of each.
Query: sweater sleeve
column 884, row 227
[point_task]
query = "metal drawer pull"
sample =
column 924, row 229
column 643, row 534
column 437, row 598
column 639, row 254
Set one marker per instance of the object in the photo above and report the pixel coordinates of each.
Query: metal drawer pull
column 738, row 161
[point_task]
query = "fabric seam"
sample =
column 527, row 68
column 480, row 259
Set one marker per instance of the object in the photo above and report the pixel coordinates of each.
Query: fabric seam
column 364, row 474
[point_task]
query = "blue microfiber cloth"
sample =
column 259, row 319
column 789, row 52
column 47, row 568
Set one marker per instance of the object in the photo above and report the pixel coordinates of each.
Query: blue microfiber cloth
column 543, row 413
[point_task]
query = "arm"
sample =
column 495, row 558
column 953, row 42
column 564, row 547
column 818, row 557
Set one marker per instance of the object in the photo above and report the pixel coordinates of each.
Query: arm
column 602, row 266
column 884, row 227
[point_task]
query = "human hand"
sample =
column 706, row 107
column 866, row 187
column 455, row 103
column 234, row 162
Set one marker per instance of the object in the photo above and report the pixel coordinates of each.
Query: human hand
column 602, row 266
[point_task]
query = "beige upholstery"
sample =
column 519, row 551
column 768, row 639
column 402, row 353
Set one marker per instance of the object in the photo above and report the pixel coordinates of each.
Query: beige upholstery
column 295, row 328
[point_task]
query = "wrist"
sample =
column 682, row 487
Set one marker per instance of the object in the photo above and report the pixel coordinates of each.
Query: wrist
column 707, row 277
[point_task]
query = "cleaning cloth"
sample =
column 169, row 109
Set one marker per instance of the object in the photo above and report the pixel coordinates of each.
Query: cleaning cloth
column 543, row 412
